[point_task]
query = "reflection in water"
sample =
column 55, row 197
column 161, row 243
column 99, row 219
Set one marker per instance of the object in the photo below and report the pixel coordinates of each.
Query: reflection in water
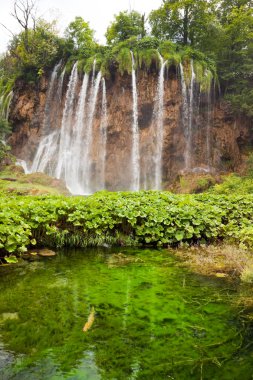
column 146, row 318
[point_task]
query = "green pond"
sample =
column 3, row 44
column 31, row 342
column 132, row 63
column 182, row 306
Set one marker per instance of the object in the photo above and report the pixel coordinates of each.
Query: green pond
column 144, row 316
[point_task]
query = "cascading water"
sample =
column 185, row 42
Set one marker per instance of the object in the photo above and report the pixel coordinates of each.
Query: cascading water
column 190, row 124
column 187, row 113
column 103, row 137
column 208, row 125
column 44, row 159
column 159, row 127
column 135, row 159
column 88, row 140
column 75, row 160
column 65, row 133
column 93, row 71
column 74, row 146
column 50, row 93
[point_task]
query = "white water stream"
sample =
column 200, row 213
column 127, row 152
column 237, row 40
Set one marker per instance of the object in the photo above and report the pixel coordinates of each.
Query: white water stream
column 135, row 159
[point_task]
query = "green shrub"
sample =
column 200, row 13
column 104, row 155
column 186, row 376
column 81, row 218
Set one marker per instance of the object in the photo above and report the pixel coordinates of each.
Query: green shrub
column 147, row 43
column 124, row 61
column 157, row 218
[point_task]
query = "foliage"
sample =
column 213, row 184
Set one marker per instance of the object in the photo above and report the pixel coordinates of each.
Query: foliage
column 32, row 52
column 124, row 61
column 125, row 25
column 185, row 21
column 145, row 218
column 235, row 58
column 147, row 43
column 4, row 149
column 249, row 163
column 234, row 184
column 79, row 38
column 148, row 56
column 247, row 274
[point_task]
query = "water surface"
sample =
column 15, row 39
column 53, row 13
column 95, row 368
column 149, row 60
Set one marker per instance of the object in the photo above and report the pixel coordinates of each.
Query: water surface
column 152, row 320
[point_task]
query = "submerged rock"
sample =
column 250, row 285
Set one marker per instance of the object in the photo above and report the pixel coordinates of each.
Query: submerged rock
column 46, row 252
column 119, row 259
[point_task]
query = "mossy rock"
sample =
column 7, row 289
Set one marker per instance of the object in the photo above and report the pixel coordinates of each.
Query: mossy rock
column 194, row 183
column 14, row 181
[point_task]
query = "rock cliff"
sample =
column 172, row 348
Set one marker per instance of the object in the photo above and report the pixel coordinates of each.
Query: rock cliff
column 218, row 138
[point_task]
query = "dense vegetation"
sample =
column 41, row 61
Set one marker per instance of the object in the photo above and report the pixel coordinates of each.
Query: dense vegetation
column 218, row 34
column 156, row 218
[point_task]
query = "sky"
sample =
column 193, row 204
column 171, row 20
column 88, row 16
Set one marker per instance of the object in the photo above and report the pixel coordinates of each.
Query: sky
column 99, row 13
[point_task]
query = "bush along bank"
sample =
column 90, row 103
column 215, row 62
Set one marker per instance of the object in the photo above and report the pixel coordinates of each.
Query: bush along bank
column 124, row 218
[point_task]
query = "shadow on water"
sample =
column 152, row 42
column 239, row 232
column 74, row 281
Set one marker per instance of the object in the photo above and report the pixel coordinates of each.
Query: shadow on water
column 143, row 317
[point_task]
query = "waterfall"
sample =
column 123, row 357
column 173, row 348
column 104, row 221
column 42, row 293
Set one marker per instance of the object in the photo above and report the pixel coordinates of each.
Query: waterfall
column 103, row 136
column 23, row 165
column 93, row 71
column 187, row 113
column 135, row 159
column 159, row 127
column 88, row 140
column 65, row 133
column 208, row 126
column 49, row 99
column 75, row 160
column 44, row 159
column 190, row 123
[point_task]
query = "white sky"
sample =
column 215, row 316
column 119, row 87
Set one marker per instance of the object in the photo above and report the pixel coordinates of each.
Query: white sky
column 99, row 13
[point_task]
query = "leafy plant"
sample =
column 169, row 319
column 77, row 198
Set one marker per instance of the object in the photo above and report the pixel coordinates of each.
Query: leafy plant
column 160, row 219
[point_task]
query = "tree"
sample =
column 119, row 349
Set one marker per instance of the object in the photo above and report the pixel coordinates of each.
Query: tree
column 235, row 64
column 79, row 37
column 188, row 22
column 24, row 13
column 44, row 47
column 36, row 47
column 126, row 25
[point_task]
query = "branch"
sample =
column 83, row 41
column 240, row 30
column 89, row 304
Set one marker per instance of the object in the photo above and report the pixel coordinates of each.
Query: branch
column 8, row 29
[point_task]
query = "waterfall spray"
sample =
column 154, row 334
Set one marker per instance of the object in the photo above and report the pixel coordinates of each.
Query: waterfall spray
column 208, row 126
column 103, row 136
column 44, row 159
column 49, row 98
column 87, row 146
column 135, row 186
column 74, row 165
column 67, row 117
column 159, row 126
column 187, row 113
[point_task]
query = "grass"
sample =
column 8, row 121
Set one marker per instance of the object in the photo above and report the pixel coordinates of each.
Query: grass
column 14, row 181
column 221, row 260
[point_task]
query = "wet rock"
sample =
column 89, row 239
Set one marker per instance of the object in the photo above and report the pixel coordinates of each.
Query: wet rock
column 46, row 252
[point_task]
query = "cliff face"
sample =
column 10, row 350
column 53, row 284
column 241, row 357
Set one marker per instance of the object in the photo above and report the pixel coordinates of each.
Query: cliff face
column 217, row 138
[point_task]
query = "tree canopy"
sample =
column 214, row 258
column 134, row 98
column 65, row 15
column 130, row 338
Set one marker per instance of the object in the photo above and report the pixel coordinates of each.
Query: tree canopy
column 126, row 25
column 216, row 31
column 79, row 37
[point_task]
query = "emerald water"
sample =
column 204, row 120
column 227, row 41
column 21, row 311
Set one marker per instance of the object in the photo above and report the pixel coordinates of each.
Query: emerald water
column 148, row 318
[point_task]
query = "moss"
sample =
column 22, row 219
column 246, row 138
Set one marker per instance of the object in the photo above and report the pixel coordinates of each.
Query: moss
column 124, row 61
column 14, row 181
column 233, row 183
column 194, row 183
column 147, row 57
